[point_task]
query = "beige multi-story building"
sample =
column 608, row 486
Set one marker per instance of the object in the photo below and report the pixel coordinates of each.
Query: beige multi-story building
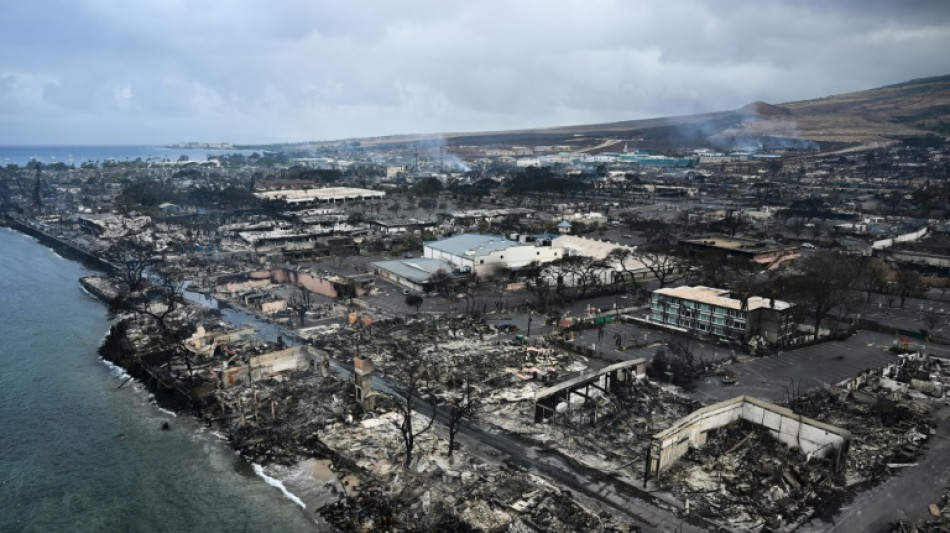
column 710, row 311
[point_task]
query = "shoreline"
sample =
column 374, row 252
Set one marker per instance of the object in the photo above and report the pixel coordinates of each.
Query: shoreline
column 172, row 400
column 65, row 249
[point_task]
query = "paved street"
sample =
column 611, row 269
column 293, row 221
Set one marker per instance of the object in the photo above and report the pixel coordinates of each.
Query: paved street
column 771, row 378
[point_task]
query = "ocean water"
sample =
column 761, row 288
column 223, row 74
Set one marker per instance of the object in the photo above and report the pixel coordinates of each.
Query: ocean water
column 76, row 155
column 79, row 454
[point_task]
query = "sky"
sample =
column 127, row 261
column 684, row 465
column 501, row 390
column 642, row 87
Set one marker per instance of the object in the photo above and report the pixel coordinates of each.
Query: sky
column 250, row 71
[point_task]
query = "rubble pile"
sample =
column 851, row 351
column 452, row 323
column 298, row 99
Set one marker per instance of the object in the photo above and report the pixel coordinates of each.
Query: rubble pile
column 280, row 419
column 743, row 478
column 884, row 434
column 347, row 462
column 442, row 494
column 460, row 350
column 626, row 420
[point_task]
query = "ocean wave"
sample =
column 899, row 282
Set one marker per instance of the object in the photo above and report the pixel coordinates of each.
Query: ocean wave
column 137, row 386
column 117, row 370
column 168, row 412
column 259, row 470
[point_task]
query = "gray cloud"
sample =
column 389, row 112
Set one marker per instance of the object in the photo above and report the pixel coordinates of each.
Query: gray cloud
column 249, row 70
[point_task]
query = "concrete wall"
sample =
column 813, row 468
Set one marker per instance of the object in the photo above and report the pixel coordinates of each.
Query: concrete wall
column 457, row 261
column 295, row 358
column 272, row 307
column 810, row 436
column 920, row 258
column 203, row 341
column 314, row 284
column 242, row 286
column 515, row 257
column 486, row 264
column 907, row 237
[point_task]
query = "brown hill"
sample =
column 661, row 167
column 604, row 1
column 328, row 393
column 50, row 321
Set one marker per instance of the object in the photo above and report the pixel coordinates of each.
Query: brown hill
column 881, row 115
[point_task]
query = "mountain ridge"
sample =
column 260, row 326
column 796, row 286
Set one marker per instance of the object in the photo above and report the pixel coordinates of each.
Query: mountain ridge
column 868, row 117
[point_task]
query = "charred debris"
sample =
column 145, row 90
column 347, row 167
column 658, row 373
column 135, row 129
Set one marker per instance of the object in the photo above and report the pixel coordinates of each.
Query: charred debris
column 365, row 408
column 291, row 410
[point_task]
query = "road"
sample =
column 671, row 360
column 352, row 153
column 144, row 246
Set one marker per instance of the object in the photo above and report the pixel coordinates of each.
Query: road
column 772, row 378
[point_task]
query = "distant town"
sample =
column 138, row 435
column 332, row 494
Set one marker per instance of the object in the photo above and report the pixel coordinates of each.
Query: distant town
column 586, row 335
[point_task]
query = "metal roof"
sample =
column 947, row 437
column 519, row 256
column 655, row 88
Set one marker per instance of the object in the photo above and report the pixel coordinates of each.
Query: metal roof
column 417, row 270
column 472, row 244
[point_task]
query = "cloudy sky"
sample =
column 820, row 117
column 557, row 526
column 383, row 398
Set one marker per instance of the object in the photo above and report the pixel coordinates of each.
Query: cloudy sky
column 157, row 71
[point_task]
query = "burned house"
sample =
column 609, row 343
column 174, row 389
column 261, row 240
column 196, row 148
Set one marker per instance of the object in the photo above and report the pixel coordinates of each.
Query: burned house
column 764, row 252
column 399, row 226
column 812, row 437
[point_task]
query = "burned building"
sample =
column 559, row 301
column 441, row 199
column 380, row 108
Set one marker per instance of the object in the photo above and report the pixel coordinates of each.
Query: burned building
column 812, row 437
column 764, row 252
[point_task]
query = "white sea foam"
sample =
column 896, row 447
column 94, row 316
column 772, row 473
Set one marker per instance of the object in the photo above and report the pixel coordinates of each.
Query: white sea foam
column 167, row 411
column 117, row 370
column 259, row 470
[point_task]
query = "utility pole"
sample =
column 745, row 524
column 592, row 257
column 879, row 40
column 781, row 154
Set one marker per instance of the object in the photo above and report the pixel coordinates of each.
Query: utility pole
column 37, row 188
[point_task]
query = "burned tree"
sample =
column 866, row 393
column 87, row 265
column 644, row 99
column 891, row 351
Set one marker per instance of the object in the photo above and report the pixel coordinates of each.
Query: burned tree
column 825, row 282
column 660, row 261
column 621, row 257
column 157, row 301
column 157, row 304
column 416, row 391
column 132, row 257
column 683, row 363
column 872, row 276
column 301, row 300
column 414, row 300
column 463, row 405
column 909, row 283
column 931, row 319
column 442, row 283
